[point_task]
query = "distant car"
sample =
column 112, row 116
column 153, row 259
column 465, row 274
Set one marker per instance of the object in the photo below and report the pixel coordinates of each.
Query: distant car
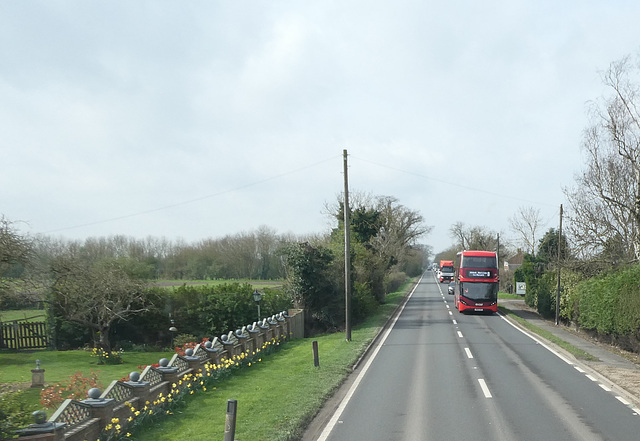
column 452, row 286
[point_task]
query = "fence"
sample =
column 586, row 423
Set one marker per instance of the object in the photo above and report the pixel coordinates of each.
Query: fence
column 87, row 419
column 23, row 335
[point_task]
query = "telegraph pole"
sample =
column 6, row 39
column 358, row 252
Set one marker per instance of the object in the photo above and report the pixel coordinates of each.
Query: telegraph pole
column 347, row 253
column 558, row 289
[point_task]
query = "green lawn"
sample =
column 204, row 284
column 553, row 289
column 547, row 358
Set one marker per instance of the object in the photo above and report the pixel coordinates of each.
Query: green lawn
column 15, row 368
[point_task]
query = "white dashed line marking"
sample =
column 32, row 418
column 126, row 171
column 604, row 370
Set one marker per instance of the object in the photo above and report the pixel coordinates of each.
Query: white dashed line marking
column 485, row 389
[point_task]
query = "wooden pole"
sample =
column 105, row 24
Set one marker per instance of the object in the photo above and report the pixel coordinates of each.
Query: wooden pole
column 347, row 252
column 558, row 289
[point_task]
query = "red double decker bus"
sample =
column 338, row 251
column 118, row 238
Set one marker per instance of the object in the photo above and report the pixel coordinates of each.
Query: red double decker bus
column 477, row 281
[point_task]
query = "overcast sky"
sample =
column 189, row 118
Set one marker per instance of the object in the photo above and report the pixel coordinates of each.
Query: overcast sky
column 198, row 119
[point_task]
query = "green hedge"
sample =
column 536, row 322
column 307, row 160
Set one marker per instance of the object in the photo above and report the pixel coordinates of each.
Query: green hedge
column 610, row 304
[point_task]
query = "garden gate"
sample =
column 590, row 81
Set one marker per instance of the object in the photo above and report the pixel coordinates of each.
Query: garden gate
column 23, row 335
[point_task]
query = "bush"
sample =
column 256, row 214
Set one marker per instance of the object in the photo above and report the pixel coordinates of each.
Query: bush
column 610, row 303
column 105, row 357
column 184, row 339
column 14, row 414
column 76, row 388
column 363, row 304
column 394, row 280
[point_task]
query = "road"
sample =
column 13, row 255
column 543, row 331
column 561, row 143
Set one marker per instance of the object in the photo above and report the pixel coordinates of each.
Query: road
column 439, row 375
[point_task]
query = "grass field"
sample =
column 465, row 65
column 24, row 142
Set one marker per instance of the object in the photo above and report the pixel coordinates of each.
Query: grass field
column 257, row 284
column 37, row 315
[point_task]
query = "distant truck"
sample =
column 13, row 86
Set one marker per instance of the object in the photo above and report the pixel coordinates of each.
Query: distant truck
column 446, row 271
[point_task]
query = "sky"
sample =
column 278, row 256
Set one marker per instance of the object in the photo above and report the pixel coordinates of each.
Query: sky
column 200, row 119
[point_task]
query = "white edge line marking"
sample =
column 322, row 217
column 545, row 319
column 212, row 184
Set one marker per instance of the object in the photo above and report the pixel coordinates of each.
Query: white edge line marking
column 591, row 377
column 561, row 357
column 540, row 342
column 623, row 401
column 485, row 389
column 468, row 351
column 579, row 369
column 343, row 404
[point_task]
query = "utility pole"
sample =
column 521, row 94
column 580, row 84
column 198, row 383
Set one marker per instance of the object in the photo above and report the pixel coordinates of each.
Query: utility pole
column 347, row 253
column 558, row 289
column 498, row 256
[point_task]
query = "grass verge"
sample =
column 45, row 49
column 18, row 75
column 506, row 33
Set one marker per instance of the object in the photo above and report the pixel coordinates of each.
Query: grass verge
column 278, row 396
column 578, row 353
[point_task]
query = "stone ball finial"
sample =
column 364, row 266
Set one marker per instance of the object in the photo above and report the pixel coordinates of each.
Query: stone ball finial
column 94, row 393
column 134, row 376
column 39, row 416
column 189, row 352
column 208, row 344
column 164, row 362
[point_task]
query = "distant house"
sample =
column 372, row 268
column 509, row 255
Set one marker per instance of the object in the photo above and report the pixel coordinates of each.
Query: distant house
column 515, row 262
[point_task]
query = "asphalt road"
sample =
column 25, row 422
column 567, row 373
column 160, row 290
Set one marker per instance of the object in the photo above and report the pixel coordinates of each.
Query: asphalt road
column 436, row 374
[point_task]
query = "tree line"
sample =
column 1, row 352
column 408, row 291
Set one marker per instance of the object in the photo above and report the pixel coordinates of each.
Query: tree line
column 95, row 288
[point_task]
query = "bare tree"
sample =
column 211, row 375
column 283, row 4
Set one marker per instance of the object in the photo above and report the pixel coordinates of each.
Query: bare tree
column 605, row 203
column 97, row 294
column 16, row 254
column 400, row 227
column 473, row 238
column 525, row 224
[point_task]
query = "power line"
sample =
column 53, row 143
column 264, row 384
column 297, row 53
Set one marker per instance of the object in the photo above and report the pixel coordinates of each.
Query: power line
column 476, row 189
column 191, row 201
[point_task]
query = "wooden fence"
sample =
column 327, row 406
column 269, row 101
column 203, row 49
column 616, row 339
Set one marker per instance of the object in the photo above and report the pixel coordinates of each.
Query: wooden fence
column 23, row 335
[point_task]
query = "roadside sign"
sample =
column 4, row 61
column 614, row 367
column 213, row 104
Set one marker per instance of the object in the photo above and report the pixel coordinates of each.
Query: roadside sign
column 521, row 288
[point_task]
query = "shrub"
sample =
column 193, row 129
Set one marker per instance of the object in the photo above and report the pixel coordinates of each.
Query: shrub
column 184, row 341
column 394, row 280
column 105, row 357
column 75, row 389
column 14, row 414
column 363, row 303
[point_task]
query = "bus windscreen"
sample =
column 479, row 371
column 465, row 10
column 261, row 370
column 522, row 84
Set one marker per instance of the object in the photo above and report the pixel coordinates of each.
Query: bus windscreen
column 479, row 290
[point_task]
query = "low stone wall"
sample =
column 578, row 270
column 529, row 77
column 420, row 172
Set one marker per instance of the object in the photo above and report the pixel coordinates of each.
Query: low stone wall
column 87, row 419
